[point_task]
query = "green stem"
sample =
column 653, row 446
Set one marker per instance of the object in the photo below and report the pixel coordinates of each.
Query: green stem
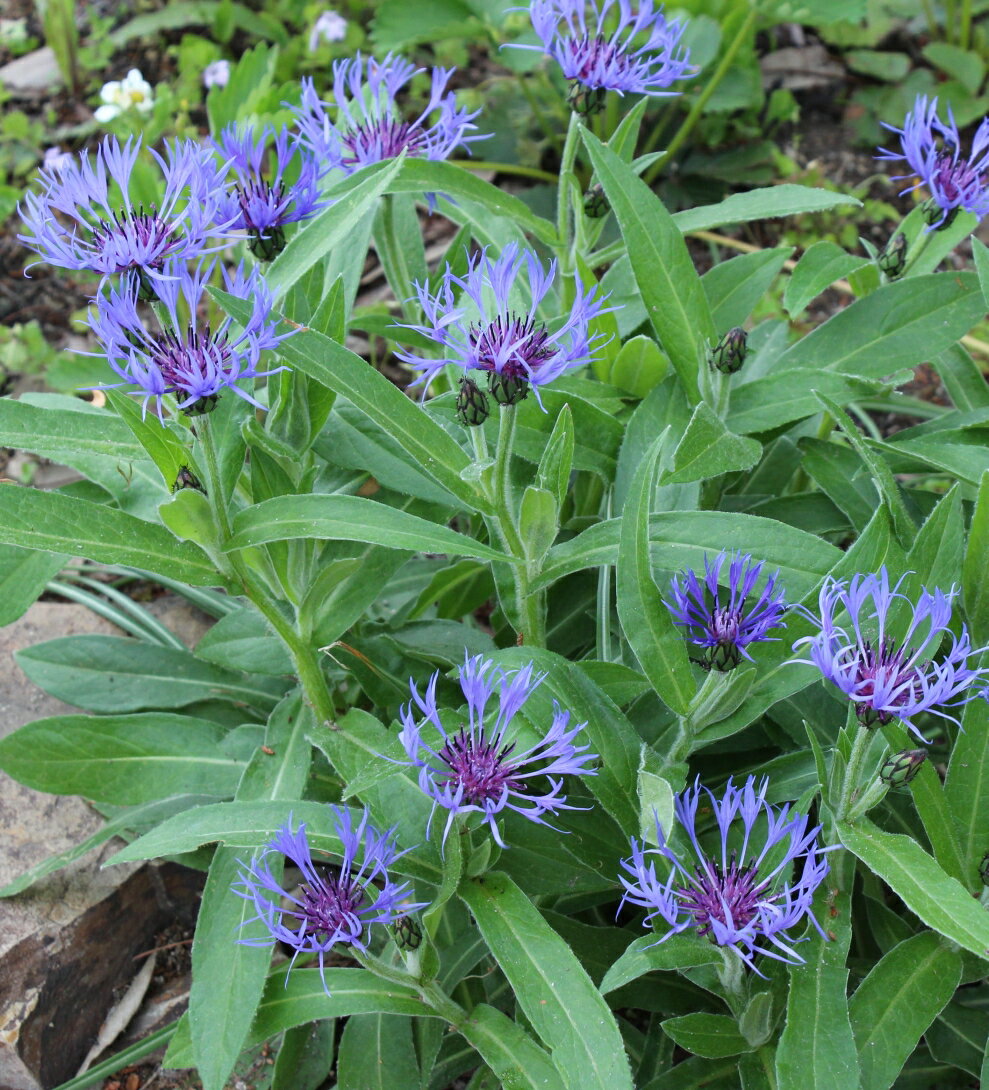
column 965, row 26
column 950, row 19
column 563, row 207
column 537, row 112
column 429, row 991
column 929, row 16
column 505, row 168
column 687, row 127
column 853, row 772
column 306, row 660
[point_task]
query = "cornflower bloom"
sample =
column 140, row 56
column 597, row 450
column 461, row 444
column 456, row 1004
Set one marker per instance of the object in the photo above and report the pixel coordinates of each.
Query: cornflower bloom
column 515, row 348
column 76, row 221
column 331, row 907
column 883, row 678
column 476, row 769
column 216, row 74
column 932, row 150
column 743, row 898
column 596, row 59
column 329, row 27
column 368, row 127
column 264, row 205
column 195, row 365
column 723, row 627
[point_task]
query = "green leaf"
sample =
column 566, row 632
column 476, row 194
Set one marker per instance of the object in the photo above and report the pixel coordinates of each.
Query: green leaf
column 784, row 396
column 900, row 325
column 432, row 449
column 557, row 996
column 762, row 204
column 708, row 449
column 708, row 1035
column 940, row 901
column 734, row 287
column 649, row 954
column 646, row 621
column 331, row 227
column 515, row 1058
column 959, row 1037
column 966, row 790
column 377, row 1053
column 816, row 1050
column 56, row 523
column 667, row 280
column 961, row 64
column 24, row 574
column 655, row 797
column 121, row 758
column 160, row 442
column 397, row 25
column 349, row 518
column 305, row 1058
column 899, row 998
column 975, row 585
column 118, row 674
column 820, row 266
column 242, row 640
column 640, row 366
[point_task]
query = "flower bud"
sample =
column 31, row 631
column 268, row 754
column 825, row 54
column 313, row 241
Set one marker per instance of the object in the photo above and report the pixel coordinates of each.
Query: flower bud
column 202, row 405
column 984, row 869
column 268, row 244
column 595, row 202
column 729, row 353
column 899, row 769
column 508, row 389
column 185, row 478
column 892, row 258
column 932, row 212
column 408, row 933
column 472, row 404
column 583, row 100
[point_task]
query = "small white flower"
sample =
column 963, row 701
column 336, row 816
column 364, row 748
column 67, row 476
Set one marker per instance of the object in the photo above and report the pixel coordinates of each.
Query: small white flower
column 13, row 31
column 330, row 26
column 132, row 92
column 216, row 74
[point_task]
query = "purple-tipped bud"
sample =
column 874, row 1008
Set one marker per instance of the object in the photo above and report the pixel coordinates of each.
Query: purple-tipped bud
column 892, row 259
column 729, row 353
column 899, row 769
column 472, row 404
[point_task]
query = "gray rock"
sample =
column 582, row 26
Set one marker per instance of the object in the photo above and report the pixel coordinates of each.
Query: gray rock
column 68, row 942
column 34, row 73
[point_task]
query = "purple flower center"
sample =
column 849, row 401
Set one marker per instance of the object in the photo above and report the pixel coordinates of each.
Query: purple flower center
column 189, row 364
column 731, row 898
column 478, row 767
column 882, row 669
column 383, row 138
column 954, row 178
column 332, row 907
column 521, row 340
column 133, row 232
column 590, row 55
column 258, row 193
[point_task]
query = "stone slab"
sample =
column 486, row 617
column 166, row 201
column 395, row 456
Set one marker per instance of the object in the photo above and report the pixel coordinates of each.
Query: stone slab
column 34, row 73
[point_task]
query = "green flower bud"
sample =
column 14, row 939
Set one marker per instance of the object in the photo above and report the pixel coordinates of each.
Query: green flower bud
column 892, row 258
column 984, row 869
column 595, row 202
column 729, row 353
column 268, row 246
column 203, row 406
column 899, row 769
column 508, row 389
column 585, row 101
column 932, row 212
column 185, row 478
column 408, row 933
column 472, row 404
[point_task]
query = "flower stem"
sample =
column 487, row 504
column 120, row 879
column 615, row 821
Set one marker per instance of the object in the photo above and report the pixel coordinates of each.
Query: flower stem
column 505, row 168
column 853, row 772
column 565, row 250
column 702, row 99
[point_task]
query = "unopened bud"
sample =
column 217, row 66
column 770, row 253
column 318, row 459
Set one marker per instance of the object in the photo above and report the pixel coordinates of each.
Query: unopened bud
column 984, row 869
column 899, row 769
column 185, row 478
column 729, row 353
column 408, row 934
column 472, row 404
column 508, row 389
column 267, row 245
column 595, row 202
column 892, row 258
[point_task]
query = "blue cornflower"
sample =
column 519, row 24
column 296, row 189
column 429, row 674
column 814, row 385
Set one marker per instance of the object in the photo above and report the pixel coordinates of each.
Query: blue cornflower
column 332, row 906
column 368, row 127
column 85, row 218
column 484, row 332
column 932, row 150
column 195, row 365
column 263, row 204
column 726, row 627
column 883, row 678
column 476, row 769
column 746, row 894
column 640, row 52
